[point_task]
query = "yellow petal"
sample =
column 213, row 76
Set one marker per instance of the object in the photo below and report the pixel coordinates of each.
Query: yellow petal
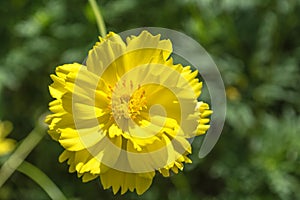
column 76, row 140
column 57, row 88
column 103, row 54
column 65, row 155
column 88, row 177
column 117, row 179
column 147, row 41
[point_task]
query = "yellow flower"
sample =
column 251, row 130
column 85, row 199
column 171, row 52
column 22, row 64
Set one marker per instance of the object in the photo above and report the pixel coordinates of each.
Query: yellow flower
column 6, row 145
column 127, row 112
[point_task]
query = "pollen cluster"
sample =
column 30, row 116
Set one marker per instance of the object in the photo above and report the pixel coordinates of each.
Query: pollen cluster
column 127, row 101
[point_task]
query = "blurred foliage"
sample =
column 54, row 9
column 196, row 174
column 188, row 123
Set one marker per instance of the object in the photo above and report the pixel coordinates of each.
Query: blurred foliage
column 256, row 46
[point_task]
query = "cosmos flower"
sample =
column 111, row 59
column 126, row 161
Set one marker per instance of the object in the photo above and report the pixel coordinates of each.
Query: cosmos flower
column 127, row 112
column 6, row 145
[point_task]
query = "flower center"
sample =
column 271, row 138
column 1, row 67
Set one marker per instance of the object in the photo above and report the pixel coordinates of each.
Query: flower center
column 127, row 100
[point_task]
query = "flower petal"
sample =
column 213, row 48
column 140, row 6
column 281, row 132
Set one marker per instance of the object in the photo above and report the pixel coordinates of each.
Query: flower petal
column 116, row 179
column 104, row 54
column 147, row 41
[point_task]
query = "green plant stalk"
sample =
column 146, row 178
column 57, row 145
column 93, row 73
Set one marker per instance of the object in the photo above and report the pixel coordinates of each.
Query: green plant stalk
column 22, row 151
column 99, row 18
column 42, row 180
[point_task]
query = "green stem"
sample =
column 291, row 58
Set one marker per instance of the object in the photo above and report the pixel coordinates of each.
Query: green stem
column 23, row 150
column 42, row 180
column 99, row 18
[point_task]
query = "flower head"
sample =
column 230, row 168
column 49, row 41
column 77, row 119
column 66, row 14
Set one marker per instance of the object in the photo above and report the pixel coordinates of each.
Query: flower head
column 127, row 112
column 6, row 145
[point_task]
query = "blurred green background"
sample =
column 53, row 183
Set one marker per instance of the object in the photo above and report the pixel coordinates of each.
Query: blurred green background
column 255, row 44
